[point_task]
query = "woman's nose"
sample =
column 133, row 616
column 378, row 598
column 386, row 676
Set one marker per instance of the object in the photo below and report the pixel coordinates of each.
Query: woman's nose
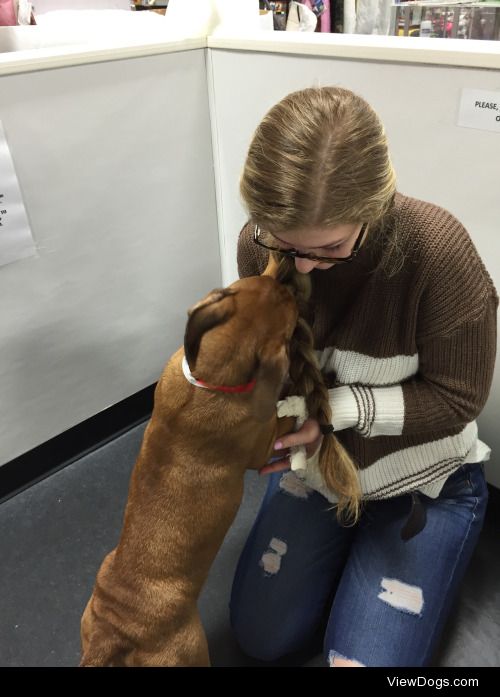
column 305, row 265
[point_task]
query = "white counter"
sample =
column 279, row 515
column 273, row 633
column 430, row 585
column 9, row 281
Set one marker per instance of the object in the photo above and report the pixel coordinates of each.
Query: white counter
column 25, row 49
column 71, row 54
column 75, row 37
column 472, row 54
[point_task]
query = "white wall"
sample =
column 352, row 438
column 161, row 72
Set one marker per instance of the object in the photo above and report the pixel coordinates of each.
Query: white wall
column 457, row 168
column 115, row 165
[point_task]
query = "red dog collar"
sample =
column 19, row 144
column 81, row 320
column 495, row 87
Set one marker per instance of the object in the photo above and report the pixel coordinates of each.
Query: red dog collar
column 218, row 388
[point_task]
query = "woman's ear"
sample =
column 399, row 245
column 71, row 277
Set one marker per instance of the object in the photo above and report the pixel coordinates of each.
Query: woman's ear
column 213, row 310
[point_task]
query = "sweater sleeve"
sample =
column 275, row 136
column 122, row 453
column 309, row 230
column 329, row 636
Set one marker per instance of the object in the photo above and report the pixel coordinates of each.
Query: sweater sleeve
column 450, row 389
column 252, row 259
column 456, row 343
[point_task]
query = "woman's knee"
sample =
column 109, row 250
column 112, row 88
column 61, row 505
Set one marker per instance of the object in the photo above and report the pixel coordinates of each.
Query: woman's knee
column 255, row 633
column 263, row 644
column 269, row 636
column 261, row 647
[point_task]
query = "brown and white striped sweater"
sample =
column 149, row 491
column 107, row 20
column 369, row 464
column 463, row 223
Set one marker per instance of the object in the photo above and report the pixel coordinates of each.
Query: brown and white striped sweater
column 410, row 357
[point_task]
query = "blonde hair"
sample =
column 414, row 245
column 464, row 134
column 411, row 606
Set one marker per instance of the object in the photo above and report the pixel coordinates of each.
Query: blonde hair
column 320, row 158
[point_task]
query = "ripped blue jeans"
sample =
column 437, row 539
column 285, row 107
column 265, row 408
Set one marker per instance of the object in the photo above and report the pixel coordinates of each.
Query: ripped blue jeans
column 383, row 601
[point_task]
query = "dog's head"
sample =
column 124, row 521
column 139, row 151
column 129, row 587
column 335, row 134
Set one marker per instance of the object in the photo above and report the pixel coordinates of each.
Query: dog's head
column 242, row 333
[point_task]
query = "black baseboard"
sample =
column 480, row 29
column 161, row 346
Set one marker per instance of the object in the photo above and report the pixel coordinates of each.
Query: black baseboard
column 58, row 452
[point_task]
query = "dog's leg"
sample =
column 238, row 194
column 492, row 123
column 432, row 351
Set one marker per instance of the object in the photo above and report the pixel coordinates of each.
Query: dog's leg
column 103, row 646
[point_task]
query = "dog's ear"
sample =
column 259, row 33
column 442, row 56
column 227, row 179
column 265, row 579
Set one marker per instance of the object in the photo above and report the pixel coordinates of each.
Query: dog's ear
column 206, row 314
column 272, row 369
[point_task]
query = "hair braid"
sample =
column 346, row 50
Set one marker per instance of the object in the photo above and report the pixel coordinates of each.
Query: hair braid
column 336, row 466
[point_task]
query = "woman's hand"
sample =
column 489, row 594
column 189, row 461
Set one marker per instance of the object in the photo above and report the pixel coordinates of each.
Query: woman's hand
column 309, row 435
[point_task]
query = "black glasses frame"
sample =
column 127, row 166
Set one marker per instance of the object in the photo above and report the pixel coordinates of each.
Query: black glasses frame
column 294, row 254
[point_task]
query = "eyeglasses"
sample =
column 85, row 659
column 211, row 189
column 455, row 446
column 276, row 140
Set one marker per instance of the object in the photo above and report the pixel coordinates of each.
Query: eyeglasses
column 265, row 239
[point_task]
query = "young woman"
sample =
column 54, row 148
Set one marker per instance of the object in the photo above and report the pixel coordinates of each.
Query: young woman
column 403, row 319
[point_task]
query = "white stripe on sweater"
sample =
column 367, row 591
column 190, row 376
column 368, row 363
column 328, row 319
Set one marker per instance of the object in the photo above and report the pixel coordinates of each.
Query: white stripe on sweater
column 352, row 367
column 378, row 411
column 423, row 468
column 417, row 466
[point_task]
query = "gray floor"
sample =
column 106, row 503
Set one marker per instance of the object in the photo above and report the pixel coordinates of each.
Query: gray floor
column 54, row 536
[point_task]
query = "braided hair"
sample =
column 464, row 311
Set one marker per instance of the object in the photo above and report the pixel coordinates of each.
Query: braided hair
column 336, row 466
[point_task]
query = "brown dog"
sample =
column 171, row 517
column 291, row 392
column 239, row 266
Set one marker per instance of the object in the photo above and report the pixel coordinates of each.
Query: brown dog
column 187, row 483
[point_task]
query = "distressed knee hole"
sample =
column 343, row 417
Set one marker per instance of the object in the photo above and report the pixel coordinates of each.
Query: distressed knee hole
column 336, row 660
column 271, row 559
column 402, row 596
column 291, row 484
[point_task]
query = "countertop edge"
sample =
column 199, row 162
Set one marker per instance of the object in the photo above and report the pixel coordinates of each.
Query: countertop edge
column 471, row 54
column 65, row 56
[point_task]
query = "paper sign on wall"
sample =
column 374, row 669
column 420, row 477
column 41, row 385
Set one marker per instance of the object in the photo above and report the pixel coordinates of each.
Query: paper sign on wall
column 480, row 109
column 16, row 241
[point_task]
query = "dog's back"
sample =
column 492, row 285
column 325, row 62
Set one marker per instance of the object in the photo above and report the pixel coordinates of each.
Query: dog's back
column 187, row 483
